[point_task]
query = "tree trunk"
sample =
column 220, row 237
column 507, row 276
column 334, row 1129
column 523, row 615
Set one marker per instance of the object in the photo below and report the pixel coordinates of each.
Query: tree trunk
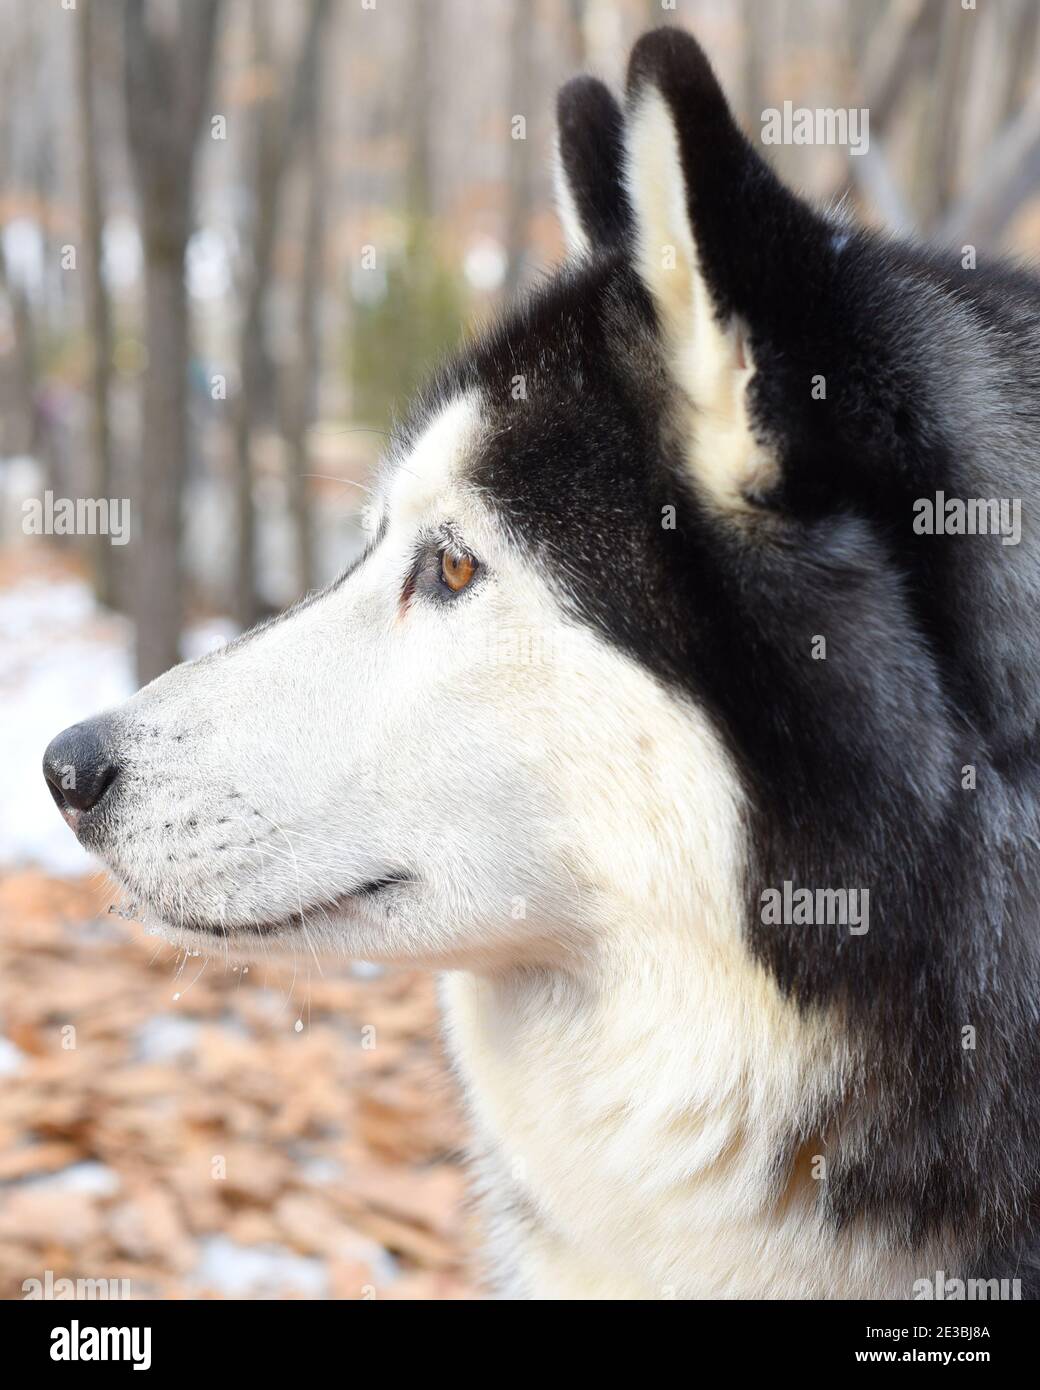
column 574, row 30
column 98, row 317
column 158, row 593
column 278, row 127
column 303, row 373
column 167, row 81
column 521, row 171
column 245, row 600
column 22, row 432
column 418, row 191
column 300, row 393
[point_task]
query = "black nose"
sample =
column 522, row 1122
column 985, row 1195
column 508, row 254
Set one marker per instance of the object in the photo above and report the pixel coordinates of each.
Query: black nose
column 79, row 766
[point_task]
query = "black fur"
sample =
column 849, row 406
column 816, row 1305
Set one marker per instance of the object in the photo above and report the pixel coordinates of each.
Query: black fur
column 590, row 127
column 853, row 764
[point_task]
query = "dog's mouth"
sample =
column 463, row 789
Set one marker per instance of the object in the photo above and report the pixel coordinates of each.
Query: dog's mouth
column 301, row 917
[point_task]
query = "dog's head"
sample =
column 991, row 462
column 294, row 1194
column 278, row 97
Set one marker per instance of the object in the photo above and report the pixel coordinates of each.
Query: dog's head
column 577, row 658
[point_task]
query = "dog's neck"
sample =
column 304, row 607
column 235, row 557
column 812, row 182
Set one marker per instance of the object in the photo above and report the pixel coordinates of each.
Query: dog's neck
column 640, row 1122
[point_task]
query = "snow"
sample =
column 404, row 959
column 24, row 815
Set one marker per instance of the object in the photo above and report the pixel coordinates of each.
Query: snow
column 11, row 1057
column 62, row 659
column 95, row 1179
column 241, row 1271
column 58, row 664
column 165, row 1038
column 168, row 1037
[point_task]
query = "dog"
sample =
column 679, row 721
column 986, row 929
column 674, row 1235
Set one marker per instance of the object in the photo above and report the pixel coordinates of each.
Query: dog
column 654, row 719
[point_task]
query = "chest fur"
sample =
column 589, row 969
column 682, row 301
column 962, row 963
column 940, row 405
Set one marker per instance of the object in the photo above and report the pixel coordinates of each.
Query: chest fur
column 649, row 1147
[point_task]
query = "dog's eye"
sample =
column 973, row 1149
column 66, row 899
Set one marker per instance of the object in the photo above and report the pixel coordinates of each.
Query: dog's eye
column 457, row 570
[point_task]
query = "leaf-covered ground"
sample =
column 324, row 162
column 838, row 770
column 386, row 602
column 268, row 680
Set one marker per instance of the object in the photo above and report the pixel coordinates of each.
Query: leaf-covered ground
column 211, row 1132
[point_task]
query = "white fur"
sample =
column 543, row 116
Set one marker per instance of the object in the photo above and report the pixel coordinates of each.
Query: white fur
column 711, row 361
column 574, row 237
column 577, row 839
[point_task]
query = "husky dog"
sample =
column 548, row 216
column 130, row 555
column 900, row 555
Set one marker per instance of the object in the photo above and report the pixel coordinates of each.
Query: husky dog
column 645, row 658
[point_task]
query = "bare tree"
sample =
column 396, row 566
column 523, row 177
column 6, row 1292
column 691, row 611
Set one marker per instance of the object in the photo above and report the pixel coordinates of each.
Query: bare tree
column 21, row 425
column 1023, row 31
column 167, row 71
column 925, row 57
column 298, row 396
column 22, row 432
column 573, row 18
column 938, row 147
column 904, row 42
column 418, row 105
column 1009, row 167
column 754, row 76
column 98, row 316
column 277, row 128
column 521, row 171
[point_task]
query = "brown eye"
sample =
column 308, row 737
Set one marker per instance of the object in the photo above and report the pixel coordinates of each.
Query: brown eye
column 457, row 570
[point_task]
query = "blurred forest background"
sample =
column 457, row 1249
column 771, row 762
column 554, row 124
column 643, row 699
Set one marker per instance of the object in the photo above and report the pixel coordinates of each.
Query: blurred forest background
column 234, row 234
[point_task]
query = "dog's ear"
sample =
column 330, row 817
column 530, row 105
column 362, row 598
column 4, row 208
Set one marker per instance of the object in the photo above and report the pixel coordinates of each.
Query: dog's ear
column 590, row 195
column 704, row 207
